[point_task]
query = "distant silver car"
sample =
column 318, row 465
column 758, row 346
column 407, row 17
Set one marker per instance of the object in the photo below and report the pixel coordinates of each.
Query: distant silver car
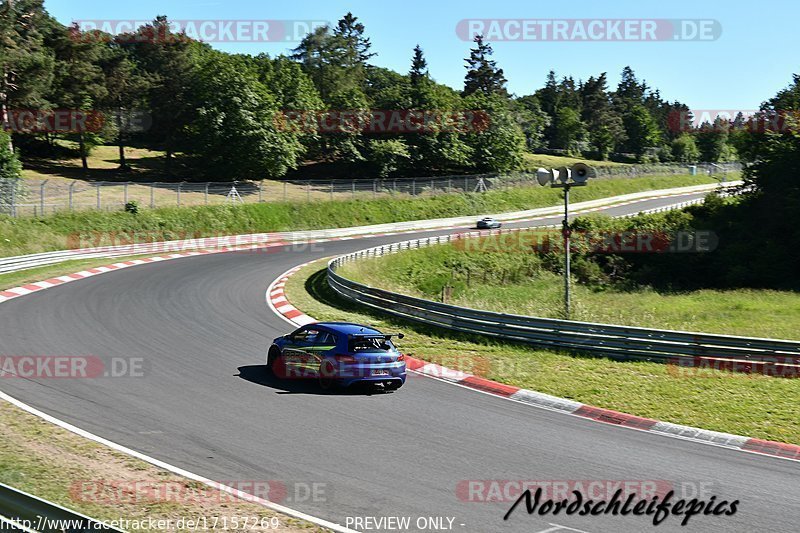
column 489, row 223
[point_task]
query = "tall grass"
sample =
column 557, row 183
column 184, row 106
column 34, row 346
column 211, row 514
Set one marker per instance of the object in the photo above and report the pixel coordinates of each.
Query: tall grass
column 512, row 279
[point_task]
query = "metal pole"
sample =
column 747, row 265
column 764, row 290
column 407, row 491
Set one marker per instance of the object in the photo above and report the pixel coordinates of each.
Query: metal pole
column 14, row 198
column 41, row 195
column 98, row 196
column 125, row 193
column 260, row 191
column 152, row 195
column 566, row 232
column 374, row 188
column 308, row 191
column 331, row 191
column 206, row 194
column 353, row 187
column 284, row 191
column 179, row 193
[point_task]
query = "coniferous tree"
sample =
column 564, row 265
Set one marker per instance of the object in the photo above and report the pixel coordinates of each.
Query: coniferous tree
column 419, row 66
column 482, row 73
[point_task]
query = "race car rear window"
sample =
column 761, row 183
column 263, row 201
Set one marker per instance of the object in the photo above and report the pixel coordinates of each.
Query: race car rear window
column 370, row 344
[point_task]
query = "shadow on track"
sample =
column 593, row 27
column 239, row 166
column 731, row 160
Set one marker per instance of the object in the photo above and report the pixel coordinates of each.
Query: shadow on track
column 257, row 374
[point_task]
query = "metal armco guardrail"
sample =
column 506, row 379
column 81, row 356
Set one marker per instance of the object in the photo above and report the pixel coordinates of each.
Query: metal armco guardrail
column 771, row 356
column 20, row 511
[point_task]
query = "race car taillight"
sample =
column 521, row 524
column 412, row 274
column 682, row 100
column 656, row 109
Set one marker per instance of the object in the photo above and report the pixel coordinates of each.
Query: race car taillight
column 346, row 359
column 401, row 357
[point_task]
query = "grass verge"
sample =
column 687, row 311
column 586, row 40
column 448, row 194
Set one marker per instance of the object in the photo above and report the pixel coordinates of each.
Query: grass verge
column 59, row 231
column 517, row 283
column 745, row 404
column 30, row 275
column 64, row 468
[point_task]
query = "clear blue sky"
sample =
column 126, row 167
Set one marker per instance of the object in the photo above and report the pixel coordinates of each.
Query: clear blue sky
column 754, row 57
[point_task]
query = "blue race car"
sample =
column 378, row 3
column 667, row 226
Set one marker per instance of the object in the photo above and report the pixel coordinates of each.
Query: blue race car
column 338, row 354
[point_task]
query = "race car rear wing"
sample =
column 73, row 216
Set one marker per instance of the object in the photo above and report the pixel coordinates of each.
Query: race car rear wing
column 386, row 336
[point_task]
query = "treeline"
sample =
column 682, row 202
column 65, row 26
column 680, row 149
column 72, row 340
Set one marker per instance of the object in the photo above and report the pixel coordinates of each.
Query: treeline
column 631, row 123
column 757, row 232
column 236, row 116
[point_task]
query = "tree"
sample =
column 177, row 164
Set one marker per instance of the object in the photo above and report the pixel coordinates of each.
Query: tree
column 712, row 140
column 568, row 129
column 168, row 60
column 419, row 67
column 387, row 156
column 336, row 58
column 482, row 73
column 684, row 149
column 532, row 119
column 126, row 94
column 26, row 62
column 641, row 130
column 629, row 92
column 549, row 95
column 603, row 123
column 315, row 54
column 10, row 168
column 79, row 84
column 234, row 132
column 352, row 48
column 497, row 146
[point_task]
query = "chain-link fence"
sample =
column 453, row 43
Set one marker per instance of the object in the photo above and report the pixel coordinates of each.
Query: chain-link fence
column 32, row 197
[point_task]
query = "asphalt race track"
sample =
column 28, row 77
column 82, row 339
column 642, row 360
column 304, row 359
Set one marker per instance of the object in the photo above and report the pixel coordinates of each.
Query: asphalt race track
column 202, row 327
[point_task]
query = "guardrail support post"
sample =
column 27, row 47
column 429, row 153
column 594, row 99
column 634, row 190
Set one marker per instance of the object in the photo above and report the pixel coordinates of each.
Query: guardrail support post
column 14, row 198
column 71, row 193
column 98, row 195
column 152, row 195
column 41, row 195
